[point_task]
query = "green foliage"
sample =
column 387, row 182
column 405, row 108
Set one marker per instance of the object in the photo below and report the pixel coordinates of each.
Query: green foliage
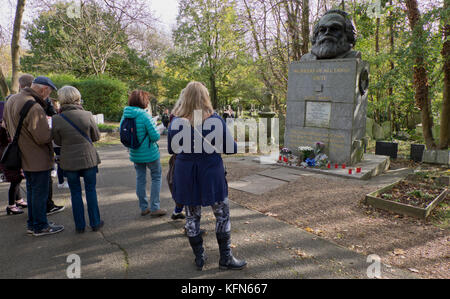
column 102, row 95
column 107, row 128
column 400, row 105
column 93, row 45
column 209, row 47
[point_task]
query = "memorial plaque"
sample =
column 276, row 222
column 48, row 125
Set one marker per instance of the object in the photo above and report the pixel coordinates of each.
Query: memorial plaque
column 318, row 114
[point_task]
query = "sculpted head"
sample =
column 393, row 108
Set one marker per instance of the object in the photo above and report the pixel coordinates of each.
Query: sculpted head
column 333, row 35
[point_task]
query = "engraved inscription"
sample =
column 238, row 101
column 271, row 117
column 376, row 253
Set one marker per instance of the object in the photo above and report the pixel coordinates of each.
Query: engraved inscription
column 318, row 114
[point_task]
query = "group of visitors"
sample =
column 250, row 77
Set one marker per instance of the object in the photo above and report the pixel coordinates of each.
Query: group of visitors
column 197, row 179
column 73, row 130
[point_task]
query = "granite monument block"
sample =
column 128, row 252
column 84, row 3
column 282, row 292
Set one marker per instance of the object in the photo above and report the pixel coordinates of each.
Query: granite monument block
column 327, row 102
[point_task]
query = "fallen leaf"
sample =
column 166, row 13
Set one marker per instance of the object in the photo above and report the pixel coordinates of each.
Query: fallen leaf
column 309, row 230
column 302, row 254
column 413, row 270
column 271, row 214
column 399, row 251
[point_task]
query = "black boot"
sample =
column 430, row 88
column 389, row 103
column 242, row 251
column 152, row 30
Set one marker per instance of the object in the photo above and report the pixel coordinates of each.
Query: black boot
column 199, row 252
column 227, row 260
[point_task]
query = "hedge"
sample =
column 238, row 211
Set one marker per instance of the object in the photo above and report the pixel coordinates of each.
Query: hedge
column 100, row 95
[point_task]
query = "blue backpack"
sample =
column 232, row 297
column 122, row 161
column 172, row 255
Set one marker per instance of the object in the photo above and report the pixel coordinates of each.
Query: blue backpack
column 128, row 134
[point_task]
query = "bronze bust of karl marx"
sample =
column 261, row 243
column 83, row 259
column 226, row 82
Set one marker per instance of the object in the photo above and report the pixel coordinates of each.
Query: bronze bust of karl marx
column 333, row 37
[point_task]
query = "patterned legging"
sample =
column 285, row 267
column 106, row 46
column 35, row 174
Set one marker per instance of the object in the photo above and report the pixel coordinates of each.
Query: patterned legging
column 221, row 212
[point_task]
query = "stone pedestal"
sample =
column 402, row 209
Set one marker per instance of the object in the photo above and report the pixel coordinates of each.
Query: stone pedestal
column 327, row 102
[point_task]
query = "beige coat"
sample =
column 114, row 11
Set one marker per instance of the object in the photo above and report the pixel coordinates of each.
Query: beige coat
column 35, row 137
column 77, row 153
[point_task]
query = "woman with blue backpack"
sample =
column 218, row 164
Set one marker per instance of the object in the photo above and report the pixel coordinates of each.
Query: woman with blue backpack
column 138, row 132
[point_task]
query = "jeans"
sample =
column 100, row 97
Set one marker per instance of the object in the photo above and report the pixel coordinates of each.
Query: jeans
column 141, row 184
column 90, row 181
column 37, row 195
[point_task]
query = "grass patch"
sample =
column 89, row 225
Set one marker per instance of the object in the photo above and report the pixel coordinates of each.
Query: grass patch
column 107, row 127
column 110, row 139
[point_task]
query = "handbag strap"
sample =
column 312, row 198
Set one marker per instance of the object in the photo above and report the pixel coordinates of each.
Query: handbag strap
column 23, row 113
column 76, row 128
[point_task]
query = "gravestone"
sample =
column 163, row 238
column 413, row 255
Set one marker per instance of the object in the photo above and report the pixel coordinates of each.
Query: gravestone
column 327, row 102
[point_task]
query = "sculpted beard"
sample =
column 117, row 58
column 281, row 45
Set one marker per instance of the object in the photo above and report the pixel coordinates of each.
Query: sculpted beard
column 330, row 47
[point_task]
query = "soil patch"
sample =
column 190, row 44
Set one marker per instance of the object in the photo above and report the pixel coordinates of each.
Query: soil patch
column 410, row 193
column 332, row 208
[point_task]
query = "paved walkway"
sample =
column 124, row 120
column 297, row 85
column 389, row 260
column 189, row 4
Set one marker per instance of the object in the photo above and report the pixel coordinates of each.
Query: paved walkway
column 131, row 246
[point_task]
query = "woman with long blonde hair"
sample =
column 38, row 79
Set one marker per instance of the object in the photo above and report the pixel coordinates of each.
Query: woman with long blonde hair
column 199, row 175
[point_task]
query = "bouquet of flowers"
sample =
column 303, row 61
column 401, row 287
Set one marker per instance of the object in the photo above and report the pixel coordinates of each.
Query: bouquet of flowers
column 286, row 151
column 285, row 155
column 319, row 148
column 321, row 160
column 311, row 162
column 306, row 151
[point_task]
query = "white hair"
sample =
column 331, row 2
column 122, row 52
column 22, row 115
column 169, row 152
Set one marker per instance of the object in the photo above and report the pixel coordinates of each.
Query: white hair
column 69, row 95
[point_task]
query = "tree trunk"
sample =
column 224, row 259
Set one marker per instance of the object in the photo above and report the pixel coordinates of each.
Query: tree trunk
column 392, row 109
column 377, row 51
column 305, row 27
column 214, row 100
column 3, row 85
column 15, row 46
column 292, row 11
column 420, row 73
column 445, row 114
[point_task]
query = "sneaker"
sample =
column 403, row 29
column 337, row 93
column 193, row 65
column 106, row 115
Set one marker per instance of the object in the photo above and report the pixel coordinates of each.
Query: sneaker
column 64, row 185
column 158, row 213
column 176, row 216
column 55, row 209
column 31, row 232
column 145, row 212
column 52, row 229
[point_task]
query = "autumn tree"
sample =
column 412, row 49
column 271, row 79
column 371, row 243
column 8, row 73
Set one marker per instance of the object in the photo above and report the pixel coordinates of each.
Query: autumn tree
column 209, row 43
column 445, row 113
column 420, row 73
column 15, row 45
column 85, row 39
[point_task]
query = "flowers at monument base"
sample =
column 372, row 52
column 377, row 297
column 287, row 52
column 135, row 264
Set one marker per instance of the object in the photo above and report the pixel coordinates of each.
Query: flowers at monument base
column 307, row 156
column 286, row 156
column 311, row 162
column 321, row 160
column 306, row 152
column 319, row 148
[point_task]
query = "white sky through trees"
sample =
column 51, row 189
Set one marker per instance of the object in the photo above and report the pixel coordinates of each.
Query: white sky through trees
column 165, row 10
